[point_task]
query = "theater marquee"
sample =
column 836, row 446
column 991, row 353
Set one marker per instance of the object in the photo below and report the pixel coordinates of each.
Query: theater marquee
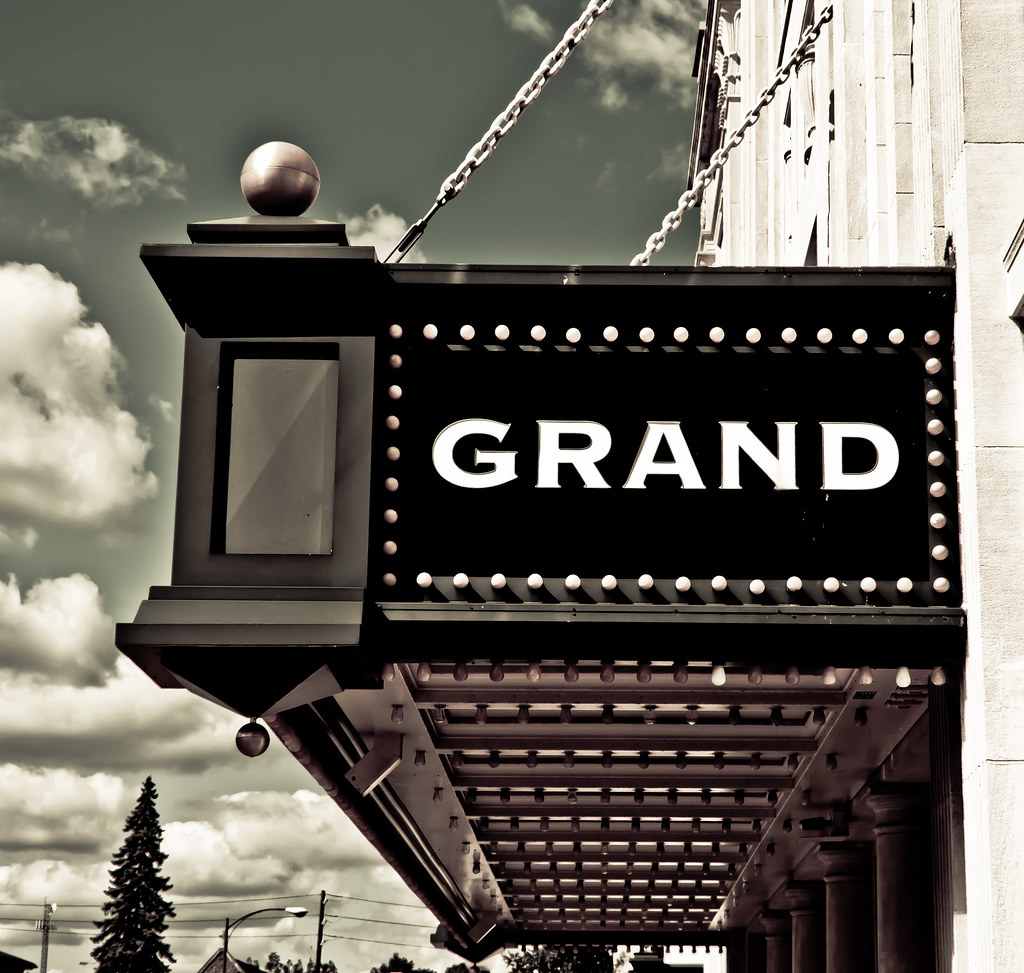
column 795, row 439
column 577, row 455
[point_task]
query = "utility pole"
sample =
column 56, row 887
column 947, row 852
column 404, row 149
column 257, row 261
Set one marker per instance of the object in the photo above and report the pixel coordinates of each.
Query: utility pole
column 319, row 929
column 45, row 925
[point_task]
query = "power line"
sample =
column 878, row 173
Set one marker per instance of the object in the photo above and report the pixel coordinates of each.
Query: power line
column 241, row 938
column 382, row 942
column 356, row 898
column 53, row 932
column 226, row 901
column 389, row 922
column 182, row 904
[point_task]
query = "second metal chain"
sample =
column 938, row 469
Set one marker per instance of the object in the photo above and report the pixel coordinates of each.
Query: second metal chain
column 706, row 176
column 502, row 125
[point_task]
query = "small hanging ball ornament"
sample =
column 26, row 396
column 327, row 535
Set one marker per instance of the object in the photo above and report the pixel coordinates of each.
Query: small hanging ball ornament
column 280, row 179
column 252, row 739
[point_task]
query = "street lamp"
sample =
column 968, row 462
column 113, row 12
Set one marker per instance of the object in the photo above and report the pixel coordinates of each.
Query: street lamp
column 295, row 910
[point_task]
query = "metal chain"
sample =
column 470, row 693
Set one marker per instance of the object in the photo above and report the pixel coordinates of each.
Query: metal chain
column 706, row 176
column 502, row 125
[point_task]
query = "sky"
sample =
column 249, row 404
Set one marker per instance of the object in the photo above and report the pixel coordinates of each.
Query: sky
column 121, row 122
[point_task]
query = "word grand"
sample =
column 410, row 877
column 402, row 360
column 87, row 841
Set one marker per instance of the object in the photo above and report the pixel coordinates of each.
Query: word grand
column 736, row 438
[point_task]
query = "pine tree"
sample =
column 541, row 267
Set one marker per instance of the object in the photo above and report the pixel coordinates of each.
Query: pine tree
column 130, row 938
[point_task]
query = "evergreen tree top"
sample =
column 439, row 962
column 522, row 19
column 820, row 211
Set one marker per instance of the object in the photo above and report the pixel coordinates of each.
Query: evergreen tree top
column 130, row 938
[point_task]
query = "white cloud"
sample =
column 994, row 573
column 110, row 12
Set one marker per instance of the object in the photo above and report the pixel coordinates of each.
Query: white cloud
column 279, row 844
column 56, row 880
column 606, row 177
column 69, row 454
column 379, row 228
column 54, row 234
column 613, row 97
column 523, row 18
column 14, row 538
column 673, row 165
column 94, row 157
column 129, row 724
column 650, row 42
column 259, row 842
column 165, row 408
column 58, row 629
column 59, row 811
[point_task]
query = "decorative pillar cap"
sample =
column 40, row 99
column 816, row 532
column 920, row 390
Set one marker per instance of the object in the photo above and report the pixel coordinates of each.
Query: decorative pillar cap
column 899, row 805
column 843, row 858
column 804, row 896
column 776, row 923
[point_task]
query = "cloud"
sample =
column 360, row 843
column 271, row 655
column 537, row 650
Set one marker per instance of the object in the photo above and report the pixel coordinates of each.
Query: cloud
column 648, row 43
column 59, row 629
column 379, row 228
column 674, row 164
column 69, row 454
column 56, row 880
column 613, row 97
column 54, row 234
column 606, row 177
column 98, row 159
column 521, row 17
column 263, row 842
column 129, row 724
column 59, row 811
column 280, row 846
column 15, row 539
column 165, row 408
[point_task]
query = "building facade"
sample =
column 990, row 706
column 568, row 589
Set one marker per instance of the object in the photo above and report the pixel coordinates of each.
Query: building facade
column 899, row 141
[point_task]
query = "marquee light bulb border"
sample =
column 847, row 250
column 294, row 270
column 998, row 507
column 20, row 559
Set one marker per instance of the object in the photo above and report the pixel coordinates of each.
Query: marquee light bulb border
column 940, row 588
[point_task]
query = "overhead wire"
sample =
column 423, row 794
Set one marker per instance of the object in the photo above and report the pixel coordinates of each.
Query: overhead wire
column 198, row 902
column 356, row 898
column 389, row 922
column 382, row 942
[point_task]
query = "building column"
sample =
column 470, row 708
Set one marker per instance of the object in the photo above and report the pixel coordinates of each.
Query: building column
column 756, row 961
column 778, row 942
column 849, row 925
column 903, row 875
column 806, row 906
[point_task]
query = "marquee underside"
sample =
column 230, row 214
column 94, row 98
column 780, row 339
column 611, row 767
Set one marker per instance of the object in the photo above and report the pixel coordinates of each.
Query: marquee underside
column 609, row 800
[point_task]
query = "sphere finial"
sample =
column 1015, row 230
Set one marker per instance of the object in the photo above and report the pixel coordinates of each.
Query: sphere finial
column 252, row 739
column 280, row 179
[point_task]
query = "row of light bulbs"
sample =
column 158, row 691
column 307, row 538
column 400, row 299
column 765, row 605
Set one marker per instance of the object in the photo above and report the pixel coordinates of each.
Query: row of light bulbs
column 683, row 584
column 640, row 795
column 680, row 335
column 641, row 760
column 680, row 674
column 635, row 824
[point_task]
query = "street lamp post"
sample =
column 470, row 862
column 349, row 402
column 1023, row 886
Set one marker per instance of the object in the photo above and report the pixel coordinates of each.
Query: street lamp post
column 295, row 910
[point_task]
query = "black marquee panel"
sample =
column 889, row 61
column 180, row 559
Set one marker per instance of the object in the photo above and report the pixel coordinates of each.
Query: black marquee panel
column 874, row 362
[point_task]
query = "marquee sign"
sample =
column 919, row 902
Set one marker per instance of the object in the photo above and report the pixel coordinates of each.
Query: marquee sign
column 790, row 444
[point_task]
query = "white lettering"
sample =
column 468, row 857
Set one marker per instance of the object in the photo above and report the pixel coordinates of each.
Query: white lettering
column 504, row 460
column 681, row 464
column 887, row 456
column 780, row 469
column 551, row 454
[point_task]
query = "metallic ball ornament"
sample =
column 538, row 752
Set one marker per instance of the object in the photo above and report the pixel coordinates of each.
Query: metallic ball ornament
column 280, row 179
column 252, row 739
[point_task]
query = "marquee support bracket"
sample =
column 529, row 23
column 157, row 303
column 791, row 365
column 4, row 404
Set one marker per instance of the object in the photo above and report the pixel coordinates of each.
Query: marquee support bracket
column 371, row 769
